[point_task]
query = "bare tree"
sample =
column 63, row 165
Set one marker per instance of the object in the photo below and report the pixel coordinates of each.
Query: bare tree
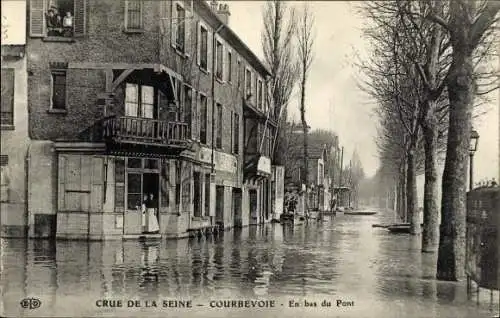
column 277, row 43
column 305, row 38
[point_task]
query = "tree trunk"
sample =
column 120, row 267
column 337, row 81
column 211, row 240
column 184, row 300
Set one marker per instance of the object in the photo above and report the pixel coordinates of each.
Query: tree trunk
column 411, row 194
column 451, row 255
column 304, row 125
column 430, row 236
column 402, row 197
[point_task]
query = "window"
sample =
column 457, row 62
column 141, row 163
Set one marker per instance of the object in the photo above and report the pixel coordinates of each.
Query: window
column 248, row 83
column 240, row 72
column 139, row 101
column 188, row 104
column 134, row 190
column 259, row 94
column 133, row 15
column 229, row 66
column 236, row 133
column 203, row 119
column 207, row 194
column 180, row 31
column 58, row 99
column 178, row 180
column 4, row 180
column 218, row 141
column 7, row 115
column 219, row 58
column 57, row 18
column 197, row 193
column 203, row 47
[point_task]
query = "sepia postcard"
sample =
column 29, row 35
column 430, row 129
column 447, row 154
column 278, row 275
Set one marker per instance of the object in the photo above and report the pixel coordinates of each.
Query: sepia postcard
column 192, row 158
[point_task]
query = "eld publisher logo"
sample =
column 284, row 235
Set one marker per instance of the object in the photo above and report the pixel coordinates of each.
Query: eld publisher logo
column 31, row 303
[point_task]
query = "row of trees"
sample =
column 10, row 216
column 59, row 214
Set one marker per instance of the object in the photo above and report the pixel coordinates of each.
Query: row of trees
column 288, row 46
column 287, row 42
column 428, row 69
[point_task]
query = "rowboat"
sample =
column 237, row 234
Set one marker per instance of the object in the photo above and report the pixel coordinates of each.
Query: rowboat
column 360, row 212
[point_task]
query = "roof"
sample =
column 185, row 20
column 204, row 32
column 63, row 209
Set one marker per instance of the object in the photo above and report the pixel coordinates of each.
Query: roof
column 314, row 150
column 233, row 38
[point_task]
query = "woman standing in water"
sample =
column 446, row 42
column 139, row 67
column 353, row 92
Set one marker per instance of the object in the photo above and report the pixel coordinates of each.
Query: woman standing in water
column 151, row 210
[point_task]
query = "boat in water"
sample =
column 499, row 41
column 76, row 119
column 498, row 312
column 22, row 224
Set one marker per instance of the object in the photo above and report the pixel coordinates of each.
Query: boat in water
column 399, row 228
column 360, row 212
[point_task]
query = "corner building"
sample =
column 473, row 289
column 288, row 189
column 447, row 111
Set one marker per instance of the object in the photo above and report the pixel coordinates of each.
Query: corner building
column 144, row 97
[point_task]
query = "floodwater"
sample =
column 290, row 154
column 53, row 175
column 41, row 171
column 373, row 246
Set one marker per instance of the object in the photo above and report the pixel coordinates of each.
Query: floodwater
column 343, row 266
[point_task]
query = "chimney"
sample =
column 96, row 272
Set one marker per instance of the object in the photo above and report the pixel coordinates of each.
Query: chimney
column 214, row 5
column 221, row 10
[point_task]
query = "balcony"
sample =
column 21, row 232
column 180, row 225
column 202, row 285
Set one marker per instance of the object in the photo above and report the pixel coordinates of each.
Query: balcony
column 145, row 132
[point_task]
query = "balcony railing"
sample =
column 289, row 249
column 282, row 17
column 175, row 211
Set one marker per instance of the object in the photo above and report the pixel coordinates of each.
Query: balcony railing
column 145, row 131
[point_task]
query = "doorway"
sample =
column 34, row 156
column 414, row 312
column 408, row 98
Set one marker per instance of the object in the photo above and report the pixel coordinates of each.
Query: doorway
column 219, row 206
column 253, row 205
column 236, row 201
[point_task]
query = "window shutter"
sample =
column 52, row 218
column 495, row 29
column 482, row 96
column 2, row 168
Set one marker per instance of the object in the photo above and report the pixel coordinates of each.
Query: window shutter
column 37, row 18
column 210, row 47
column 224, row 53
column 97, row 185
column 119, row 184
column 80, row 17
column 173, row 24
column 187, row 32
column 194, row 116
column 198, row 43
column 62, row 183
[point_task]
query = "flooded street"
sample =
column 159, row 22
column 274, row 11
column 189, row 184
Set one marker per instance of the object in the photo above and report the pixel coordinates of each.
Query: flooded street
column 371, row 273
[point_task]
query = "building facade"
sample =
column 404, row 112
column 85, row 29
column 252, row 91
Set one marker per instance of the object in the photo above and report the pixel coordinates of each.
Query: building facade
column 14, row 121
column 134, row 98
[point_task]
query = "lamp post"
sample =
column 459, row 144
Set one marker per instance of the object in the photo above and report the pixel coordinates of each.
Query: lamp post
column 474, row 136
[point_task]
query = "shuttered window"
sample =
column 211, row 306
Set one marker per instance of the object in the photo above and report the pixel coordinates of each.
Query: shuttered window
column 57, row 18
column 7, row 114
column 133, row 15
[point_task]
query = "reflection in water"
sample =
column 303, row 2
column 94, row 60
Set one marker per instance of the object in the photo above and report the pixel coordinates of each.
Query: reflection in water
column 342, row 257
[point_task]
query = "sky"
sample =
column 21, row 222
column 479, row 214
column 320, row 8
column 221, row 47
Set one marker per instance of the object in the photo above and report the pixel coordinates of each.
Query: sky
column 333, row 99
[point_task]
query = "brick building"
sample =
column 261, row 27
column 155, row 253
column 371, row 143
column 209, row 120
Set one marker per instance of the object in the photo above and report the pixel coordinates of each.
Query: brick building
column 128, row 98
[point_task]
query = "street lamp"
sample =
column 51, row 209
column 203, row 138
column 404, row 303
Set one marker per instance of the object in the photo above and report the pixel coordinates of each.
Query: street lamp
column 474, row 137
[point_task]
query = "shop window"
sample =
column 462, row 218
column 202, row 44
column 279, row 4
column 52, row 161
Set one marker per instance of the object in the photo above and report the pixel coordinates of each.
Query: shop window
column 134, row 191
column 197, row 194
column 134, row 163
column 207, row 194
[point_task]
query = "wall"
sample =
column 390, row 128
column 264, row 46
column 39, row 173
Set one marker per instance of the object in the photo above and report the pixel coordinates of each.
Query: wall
column 14, row 143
